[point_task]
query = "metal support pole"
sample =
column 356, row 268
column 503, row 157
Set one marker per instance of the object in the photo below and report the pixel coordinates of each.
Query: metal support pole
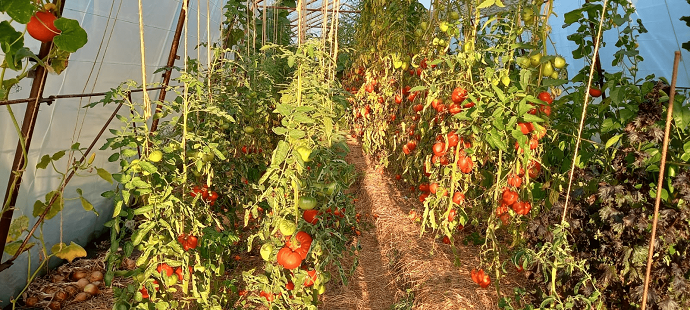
column 171, row 61
column 28, row 126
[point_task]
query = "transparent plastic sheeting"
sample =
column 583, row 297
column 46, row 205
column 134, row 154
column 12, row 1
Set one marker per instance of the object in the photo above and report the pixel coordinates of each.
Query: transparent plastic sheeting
column 111, row 57
column 665, row 35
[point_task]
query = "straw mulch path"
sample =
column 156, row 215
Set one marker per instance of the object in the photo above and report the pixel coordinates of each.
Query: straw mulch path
column 398, row 269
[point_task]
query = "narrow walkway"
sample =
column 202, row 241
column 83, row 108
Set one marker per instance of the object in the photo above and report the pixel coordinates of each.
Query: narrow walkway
column 397, row 268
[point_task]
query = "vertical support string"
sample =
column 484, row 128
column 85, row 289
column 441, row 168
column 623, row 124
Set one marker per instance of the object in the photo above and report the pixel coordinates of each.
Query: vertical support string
column 147, row 101
column 584, row 113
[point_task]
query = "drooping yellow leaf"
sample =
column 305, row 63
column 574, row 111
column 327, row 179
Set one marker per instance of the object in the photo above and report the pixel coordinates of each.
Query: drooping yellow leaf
column 68, row 252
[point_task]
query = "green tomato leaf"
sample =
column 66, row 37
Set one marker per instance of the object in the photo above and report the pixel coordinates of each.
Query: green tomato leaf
column 417, row 88
column 532, row 118
column 105, row 175
column 19, row 10
column 72, row 36
column 681, row 114
column 68, row 252
column 486, row 4
column 86, row 204
column 613, row 140
column 17, row 227
column 45, row 160
column 11, row 42
column 12, row 247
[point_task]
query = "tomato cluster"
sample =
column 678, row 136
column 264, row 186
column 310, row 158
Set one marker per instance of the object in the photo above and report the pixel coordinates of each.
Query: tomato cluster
column 481, row 278
column 207, row 195
column 187, row 241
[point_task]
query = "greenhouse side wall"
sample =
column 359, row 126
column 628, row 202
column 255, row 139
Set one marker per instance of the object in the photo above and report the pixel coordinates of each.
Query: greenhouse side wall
column 111, row 56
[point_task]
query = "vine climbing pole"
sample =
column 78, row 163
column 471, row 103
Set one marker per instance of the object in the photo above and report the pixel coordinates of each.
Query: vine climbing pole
column 662, row 168
column 28, row 126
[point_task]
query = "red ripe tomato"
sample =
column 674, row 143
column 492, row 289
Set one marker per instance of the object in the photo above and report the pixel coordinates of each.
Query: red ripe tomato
column 454, row 108
column 418, row 107
column 519, row 268
column 398, row 99
column 509, row 197
column 406, row 90
column 465, row 164
column 458, row 197
column 424, row 187
column 288, row 258
column 453, row 139
column 311, row 216
column 144, row 293
column 309, row 280
column 533, row 144
column 444, row 160
column 465, row 144
column 392, row 117
column 546, row 97
column 505, row 218
column 545, row 109
column 269, row 296
column 419, row 71
column 459, row 95
column 370, row 88
column 41, row 27
column 165, row 268
column 436, row 102
column 468, row 105
column 380, row 100
column 526, row 127
column 446, row 240
column 594, row 92
column 441, row 108
column 534, row 170
column 439, row 149
column 412, row 72
column 533, row 111
column 481, row 278
column 412, row 145
column 398, row 177
column 423, row 197
column 422, row 64
column 411, row 96
column 290, row 286
column 514, row 180
column 406, row 150
column 433, row 187
column 451, row 215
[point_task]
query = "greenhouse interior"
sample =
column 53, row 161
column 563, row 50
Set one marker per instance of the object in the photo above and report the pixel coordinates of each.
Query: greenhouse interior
column 345, row 154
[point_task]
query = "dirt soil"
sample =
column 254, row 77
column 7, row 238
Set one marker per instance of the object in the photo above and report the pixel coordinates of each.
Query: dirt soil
column 397, row 268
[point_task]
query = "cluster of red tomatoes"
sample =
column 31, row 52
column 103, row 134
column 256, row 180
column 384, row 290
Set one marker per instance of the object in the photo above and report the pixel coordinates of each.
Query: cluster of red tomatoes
column 481, row 278
column 187, row 241
column 294, row 251
column 206, row 194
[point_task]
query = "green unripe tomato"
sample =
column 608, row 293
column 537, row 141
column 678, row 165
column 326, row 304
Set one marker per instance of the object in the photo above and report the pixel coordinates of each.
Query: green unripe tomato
column 307, row 203
column 249, row 129
column 208, row 157
column 156, row 156
column 266, row 251
column 455, row 15
column 443, row 26
column 547, row 69
column 559, row 62
column 535, row 59
column 424, row 26
column 287, row 228
column 418, row 32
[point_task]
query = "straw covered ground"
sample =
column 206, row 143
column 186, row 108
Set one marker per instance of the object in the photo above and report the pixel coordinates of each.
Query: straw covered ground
column 397, row 268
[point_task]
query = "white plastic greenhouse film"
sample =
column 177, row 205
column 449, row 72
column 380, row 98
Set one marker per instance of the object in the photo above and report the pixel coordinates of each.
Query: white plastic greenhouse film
column 111, row 56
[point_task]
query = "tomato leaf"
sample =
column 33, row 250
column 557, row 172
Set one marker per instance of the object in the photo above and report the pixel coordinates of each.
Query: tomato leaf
column 40, row 206
column 486, row 4
column 19, row 10
column 532, row 118
column 681, row 114
column 45, row 160
column 497, row 140
column 12, row 247
column 86, row 204
column 17, row 227
column 72, row 36
column 148, row 167
column 417, row 88
column 68, row 252
column 613, row 140
column 58, row 155
column 105, row 175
